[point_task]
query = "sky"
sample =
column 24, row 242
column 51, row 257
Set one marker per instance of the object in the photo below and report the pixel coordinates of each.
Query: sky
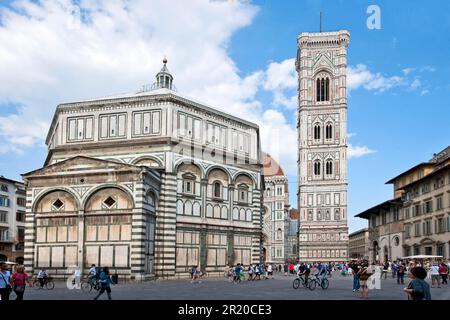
column 237, row 56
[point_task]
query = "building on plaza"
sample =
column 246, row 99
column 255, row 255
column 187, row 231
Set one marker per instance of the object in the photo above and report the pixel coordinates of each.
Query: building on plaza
column 12, row 220
column 276, row 204
column 358, row 244
column 426, row 207
column 417, row 219
column 148, row 184
column 322, row 155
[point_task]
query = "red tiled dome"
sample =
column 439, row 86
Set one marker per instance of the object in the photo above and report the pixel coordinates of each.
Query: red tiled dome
column 270, row 166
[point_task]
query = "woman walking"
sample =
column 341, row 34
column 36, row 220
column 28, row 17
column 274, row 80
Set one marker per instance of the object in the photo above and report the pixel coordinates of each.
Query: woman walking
column 443, row 272
column 19, row 281
column 364, row 274
column 105, row 282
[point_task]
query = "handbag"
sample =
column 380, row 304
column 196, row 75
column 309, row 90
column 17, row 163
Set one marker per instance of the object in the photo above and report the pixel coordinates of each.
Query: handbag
column 19, row 289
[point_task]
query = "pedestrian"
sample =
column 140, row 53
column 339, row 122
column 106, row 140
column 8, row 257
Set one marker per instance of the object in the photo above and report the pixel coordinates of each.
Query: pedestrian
column 364, row 274
column 394, row 269
column 418, row 288
column 355, row 267
column 19, row 281
column 385, row 269
column 5, row 276
column 250, row 272
column 105, row 283
column 443, row 272
column 401, row 273
column 286, row 269
column 434, row 272
column 269, row 271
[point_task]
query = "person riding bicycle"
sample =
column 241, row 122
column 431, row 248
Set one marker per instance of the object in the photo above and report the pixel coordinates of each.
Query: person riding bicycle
column 304, row 270
column 42, row 277
column 194, row 273
column 93, row 274
column 322, row 273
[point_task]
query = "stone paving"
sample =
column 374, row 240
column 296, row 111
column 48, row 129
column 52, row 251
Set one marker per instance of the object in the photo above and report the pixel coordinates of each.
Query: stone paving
column 279, row 288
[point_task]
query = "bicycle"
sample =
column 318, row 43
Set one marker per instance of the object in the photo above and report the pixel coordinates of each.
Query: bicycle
column 48, row 283
column 299, row 280
column 89, row 284
column 314, row 281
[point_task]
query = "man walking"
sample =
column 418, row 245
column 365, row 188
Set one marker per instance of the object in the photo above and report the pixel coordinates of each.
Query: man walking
column 401, row 273
column 5, row 287
column 434, row 271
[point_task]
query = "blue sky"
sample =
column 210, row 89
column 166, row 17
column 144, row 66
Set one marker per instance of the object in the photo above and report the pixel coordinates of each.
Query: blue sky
column 398, row 113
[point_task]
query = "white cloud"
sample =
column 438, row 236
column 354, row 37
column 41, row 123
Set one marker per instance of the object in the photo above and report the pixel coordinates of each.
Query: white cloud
column 415, row 84
column 424, row 92
column 281, row 79
column 358, row 151
column 361, row 76
column 407, row 71
column 47, row 56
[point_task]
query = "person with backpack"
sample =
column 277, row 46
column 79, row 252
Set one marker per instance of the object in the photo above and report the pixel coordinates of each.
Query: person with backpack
column 443, row 272
column 401, row 273
column 418, row 288
column 250, row 272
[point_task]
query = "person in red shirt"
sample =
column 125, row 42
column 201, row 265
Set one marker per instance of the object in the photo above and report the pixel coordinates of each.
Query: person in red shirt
column 291, row 268
column 19, row 279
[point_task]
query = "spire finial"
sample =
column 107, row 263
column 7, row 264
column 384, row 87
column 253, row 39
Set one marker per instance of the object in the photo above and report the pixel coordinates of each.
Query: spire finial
column 320, row 21
column 165, row 59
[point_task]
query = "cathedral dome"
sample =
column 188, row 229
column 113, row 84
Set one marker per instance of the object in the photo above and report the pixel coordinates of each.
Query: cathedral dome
column 271, row 166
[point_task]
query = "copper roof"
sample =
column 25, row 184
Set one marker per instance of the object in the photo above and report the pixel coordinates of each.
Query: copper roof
column 270, row 166
column 294, row 214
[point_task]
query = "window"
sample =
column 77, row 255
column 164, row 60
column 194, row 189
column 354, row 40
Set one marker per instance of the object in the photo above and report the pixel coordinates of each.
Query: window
column 440, row 250
column 417, row 229
column 279, row 191
column 327, row 215
column 21, row 202
column 3, row 216
column 217, row 189
column 440, row 225
column 243, row 193
column 317, row 132
column 322, row 89
column 407, row 230
column 317, row 168
column 396, row 241
column 4, row 202
column 146, row 122
column 374, row 221
column 188, row 183
column 427, row 227
column 416, row 210
column 80, row 128
column 4, row 188
column 329, row 167
column 279, row 205
column 310, row 215
column 329, row 132
column 448, row 223
column 279, row 215
column 396, row 215
column 20, row 233
column 216, row 135
column 112, row 126
column 109, row 202
column 57, row 205
column 406, row 213
column 428, row 206
column 20, row 216
column 439, row 203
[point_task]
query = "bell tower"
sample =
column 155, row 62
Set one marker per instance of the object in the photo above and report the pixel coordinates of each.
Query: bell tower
column 322, row 145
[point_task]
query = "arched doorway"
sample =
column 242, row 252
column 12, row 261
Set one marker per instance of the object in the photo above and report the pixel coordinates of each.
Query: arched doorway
column 264, row 257
column 386, row 253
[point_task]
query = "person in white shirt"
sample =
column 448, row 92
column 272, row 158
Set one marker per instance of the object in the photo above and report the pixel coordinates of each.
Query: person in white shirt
column 434, row 271
column 269, row 271
column 42, row 275
column 93, row 271
column 5, row 276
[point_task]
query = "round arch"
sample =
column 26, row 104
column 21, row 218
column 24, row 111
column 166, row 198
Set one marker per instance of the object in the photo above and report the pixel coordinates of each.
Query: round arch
column 236, row 176
column 147, row 157
column 192, row 162
column 53, row 189
column 211, row 168
column 106, row 186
